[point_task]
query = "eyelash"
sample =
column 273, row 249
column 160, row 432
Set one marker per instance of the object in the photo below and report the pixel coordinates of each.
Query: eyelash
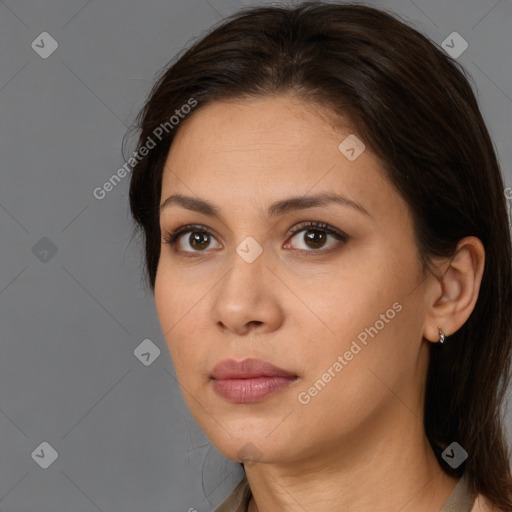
column 342, row 238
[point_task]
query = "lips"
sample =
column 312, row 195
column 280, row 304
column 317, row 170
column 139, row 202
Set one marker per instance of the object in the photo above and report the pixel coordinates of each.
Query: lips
column 251, row 380
column 247, row 369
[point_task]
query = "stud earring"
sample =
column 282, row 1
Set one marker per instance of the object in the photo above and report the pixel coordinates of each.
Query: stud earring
column 442, row 336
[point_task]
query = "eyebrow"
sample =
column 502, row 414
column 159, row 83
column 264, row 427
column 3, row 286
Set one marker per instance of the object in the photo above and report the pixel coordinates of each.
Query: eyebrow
column 276, row 209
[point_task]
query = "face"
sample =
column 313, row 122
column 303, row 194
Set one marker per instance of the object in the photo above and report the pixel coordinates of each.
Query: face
column 331, row 292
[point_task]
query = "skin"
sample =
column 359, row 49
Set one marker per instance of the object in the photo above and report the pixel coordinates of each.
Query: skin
column 359, row 444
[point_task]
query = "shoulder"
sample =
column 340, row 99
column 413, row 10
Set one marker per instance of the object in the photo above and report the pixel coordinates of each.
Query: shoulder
column 482, row 505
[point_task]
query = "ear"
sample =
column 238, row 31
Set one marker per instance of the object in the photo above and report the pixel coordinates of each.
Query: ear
column 452, row 297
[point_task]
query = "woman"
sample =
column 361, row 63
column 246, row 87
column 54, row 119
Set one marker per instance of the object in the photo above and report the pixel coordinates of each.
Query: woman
column 327, row 241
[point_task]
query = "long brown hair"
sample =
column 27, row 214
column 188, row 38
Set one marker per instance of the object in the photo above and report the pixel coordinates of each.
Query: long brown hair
column 414, row 108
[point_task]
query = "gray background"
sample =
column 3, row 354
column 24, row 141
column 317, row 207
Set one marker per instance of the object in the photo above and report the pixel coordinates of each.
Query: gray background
column 72, row 319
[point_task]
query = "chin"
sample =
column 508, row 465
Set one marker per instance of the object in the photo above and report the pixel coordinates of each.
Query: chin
column 246, row 447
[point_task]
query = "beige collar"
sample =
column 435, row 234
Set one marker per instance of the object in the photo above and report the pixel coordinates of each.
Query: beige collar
column 460, row 499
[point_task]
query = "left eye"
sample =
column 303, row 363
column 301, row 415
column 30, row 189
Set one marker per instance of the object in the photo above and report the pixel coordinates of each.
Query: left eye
column 316, row 234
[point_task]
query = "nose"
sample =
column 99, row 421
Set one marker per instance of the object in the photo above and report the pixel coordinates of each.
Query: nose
column 247, row 298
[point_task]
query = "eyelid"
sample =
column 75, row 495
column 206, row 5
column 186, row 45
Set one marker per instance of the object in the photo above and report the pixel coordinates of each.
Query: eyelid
column 341, row 237
column 320, row 226
column 172, row 237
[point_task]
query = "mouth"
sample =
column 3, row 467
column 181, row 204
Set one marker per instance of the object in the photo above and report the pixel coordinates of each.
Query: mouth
column 250, row 380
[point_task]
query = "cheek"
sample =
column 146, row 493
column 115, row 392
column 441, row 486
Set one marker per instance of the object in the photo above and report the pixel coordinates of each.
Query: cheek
column 350, row 300
column 366, row 319
column 179, row 307
column 346, row 381
column 375, row 352
column 165, row 301
column 168, row 303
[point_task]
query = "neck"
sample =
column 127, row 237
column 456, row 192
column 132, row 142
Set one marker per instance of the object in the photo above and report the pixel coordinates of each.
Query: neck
column 368, row 471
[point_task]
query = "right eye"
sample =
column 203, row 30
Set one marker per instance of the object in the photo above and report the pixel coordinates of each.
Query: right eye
column 199, row 238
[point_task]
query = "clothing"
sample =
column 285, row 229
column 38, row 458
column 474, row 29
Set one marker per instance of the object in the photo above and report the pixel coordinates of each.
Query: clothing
column 460, row 499
column 238, row 500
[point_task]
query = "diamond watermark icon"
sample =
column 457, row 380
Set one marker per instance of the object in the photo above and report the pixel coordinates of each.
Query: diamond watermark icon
column 44, row 45
column 44, row 250
column 454, row 45
column 45, row 455
column 146, row 352
column 249, row 454
column 249, row 249
column 454, row 455
column 351, row 147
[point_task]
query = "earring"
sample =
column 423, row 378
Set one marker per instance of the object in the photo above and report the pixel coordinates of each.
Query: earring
column 442, row 336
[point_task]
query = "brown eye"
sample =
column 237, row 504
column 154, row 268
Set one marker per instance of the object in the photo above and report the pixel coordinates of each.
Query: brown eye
column 316, row 235
column 315, row 238
column 199, row 240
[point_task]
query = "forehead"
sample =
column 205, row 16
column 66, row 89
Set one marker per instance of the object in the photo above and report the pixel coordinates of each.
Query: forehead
column 265, row 149
column 258, row 132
